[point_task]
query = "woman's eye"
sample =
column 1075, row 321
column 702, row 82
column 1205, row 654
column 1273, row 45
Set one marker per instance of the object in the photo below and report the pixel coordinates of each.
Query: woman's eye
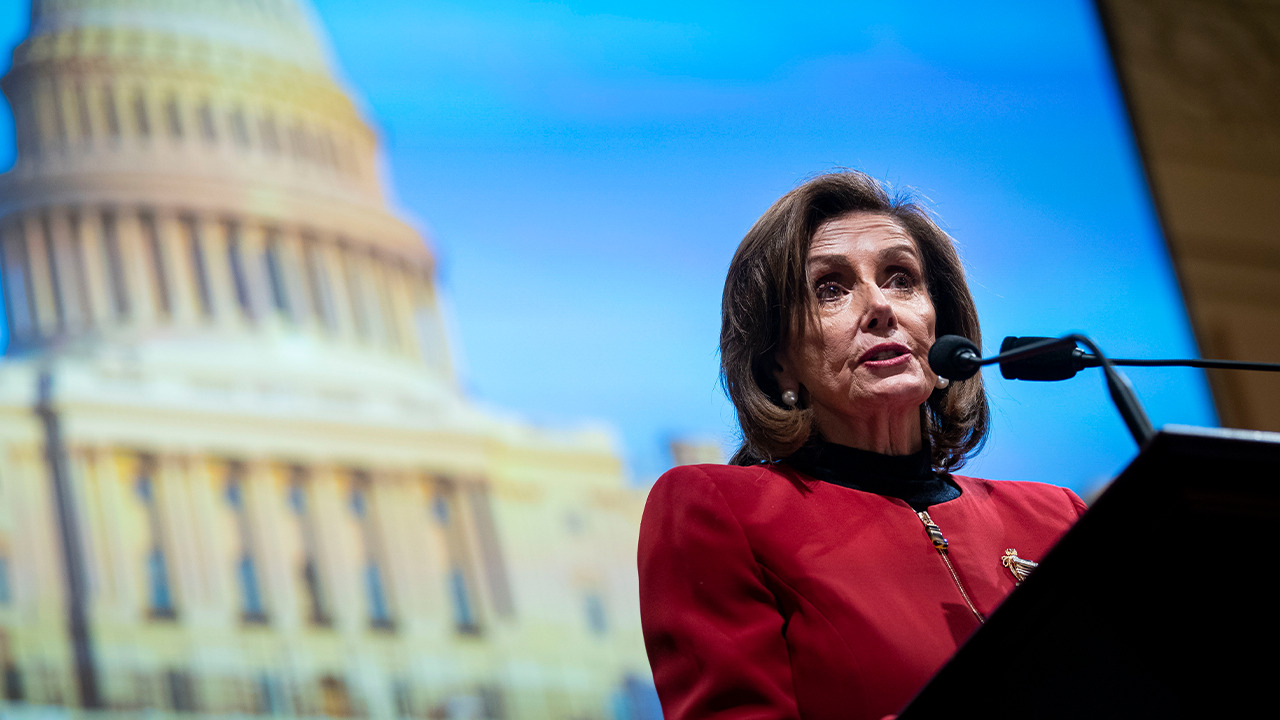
column 902, row 281
column 828, row 291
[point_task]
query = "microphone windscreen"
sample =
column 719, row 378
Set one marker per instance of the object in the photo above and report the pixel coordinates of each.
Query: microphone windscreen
column 1057, row 362
column 954, row 357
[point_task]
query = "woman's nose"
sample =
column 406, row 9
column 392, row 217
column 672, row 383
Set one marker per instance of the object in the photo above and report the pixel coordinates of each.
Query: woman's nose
column 879, row 312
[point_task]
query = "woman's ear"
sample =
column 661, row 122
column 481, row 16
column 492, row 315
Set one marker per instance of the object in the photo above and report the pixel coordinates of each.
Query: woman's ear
column 782, row 374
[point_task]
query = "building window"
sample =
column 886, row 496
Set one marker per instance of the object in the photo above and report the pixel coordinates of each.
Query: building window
column 597, row 622
column 335, row 701
column 270, row 697
column 374, row 580
column 182, row 691
column 151, row 236
column 252, row 608
column 493, row 701
column 491, row 558
column 309, row 567
column 10, row 675
column 159, row 595
column 115, row 265
column 199, row 267
column 402, row 693
column 444, row 507
column 639, row 699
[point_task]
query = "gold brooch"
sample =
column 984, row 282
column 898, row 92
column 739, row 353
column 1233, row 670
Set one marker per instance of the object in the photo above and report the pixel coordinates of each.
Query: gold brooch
column 1020, row 567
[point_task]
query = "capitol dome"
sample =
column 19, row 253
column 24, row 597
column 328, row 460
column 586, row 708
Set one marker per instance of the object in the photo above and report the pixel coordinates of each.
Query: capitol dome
column 193, row 169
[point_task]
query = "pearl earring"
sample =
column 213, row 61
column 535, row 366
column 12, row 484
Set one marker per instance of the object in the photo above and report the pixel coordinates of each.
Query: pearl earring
column 941, row 383
column 790, row 398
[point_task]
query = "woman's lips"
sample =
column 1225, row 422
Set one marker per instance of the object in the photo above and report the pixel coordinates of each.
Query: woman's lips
column 886, row 355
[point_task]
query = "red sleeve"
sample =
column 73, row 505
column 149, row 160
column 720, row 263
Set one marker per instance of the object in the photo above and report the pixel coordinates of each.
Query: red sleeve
column 711, row 626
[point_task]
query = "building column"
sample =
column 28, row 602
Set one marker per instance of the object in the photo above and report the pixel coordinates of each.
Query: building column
column 46, row 116
column 120, row 598
column 37, row 566
column 86, row 491
column 86, row 229
column 207, row 500
column 66, row 103
column 18, row 295
column 178, row 539
column 295, row 273
column 401, row 298
column 253, row 263
column 212, row 236
column 43, row 291
column 429, row 323
column 178, row 270
column 472, row 552
column 71, row 272
column 138, row 268
column 265, row 508
column 364, row 266
column 336, row 563
column 331, row 264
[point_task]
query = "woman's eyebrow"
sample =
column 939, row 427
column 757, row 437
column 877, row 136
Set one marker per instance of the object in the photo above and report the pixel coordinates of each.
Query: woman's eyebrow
column 903, row 248
column 831, row 259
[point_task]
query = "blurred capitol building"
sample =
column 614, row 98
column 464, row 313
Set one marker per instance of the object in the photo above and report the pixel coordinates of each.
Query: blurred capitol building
column 237, row 474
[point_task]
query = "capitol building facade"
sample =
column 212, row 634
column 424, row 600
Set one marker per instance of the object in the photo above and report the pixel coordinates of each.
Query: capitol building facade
column 237, row 472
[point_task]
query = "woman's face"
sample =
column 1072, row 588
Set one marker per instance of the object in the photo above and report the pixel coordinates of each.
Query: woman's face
column 866, row 356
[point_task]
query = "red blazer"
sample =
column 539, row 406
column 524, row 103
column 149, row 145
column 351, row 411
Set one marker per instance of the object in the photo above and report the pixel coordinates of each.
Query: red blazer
column 767, row 594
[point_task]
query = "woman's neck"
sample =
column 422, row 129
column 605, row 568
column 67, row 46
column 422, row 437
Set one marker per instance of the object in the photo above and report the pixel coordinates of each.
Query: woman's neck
column 886, row 433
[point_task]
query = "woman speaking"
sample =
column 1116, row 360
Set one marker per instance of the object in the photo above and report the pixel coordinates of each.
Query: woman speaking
column 837, row 563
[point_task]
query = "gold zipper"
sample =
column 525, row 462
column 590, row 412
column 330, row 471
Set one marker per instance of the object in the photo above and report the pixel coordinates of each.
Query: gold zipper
column 940, row 543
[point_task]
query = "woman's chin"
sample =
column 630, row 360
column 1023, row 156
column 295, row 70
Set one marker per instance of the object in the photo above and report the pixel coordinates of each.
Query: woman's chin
column 904, row 392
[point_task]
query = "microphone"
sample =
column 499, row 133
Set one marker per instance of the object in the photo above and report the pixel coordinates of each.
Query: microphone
column 957, row 358
column 954, row 357
column 1058, row 361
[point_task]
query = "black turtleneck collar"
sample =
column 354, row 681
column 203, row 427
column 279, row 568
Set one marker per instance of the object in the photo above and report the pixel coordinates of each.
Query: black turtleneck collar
column 907, row 477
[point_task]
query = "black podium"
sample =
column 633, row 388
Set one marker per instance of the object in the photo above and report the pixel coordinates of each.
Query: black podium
column 1157, row 604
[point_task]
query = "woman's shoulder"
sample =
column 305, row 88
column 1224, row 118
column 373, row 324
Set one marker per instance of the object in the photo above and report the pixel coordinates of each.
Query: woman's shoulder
column 733, row 490
column 1026, row 495
column 730, row 474
column 723, row 480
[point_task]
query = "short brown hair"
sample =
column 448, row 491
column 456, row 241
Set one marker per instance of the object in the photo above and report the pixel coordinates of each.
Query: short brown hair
column 767, row 301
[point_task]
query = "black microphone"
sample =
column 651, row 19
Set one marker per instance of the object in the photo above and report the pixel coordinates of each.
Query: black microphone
column 954, row 357
column 1056, row 362
column 1060, row 360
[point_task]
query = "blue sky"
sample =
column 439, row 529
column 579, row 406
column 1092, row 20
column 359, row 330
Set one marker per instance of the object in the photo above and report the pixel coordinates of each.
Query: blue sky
column 585, row 170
